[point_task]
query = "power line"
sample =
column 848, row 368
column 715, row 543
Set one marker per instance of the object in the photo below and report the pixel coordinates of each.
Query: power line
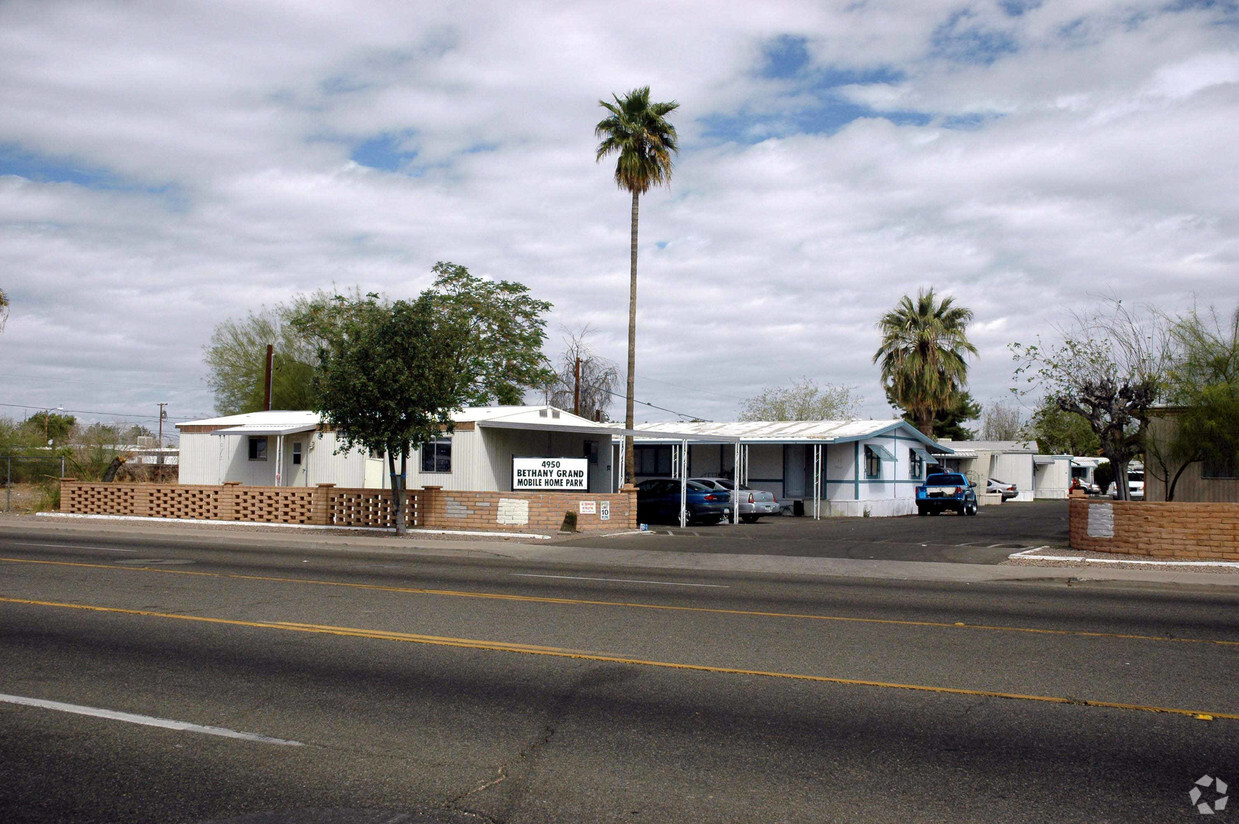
column 48, row 408
column 663, row 408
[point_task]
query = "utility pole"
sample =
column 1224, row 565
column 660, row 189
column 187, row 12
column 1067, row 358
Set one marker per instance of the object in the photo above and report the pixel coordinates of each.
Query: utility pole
column 162, row 415
column 266, row 398
column 576, row 389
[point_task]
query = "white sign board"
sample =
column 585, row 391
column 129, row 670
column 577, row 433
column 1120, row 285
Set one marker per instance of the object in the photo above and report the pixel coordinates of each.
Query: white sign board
column 550, row 473
column 589, row 507
column 605, row 512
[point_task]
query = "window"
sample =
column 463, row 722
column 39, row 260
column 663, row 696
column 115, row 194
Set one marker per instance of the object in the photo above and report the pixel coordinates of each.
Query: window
column 873, row 463
column 437, row 456
column 591, row 451
column 296, row 453
column 258, row 448
column 652, row 460
column 1225, row 466
column 916, row 464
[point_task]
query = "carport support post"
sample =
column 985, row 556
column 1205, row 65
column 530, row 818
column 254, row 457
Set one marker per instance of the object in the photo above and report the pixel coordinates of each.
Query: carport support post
column 683, row 467
column 735, row 488
column 817, row 481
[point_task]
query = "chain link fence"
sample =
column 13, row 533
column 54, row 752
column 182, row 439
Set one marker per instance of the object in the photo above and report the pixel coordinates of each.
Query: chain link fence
column 26, row 470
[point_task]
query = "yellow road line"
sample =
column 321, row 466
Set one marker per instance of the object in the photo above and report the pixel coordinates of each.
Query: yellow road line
column 558, row 652
column 534, row 599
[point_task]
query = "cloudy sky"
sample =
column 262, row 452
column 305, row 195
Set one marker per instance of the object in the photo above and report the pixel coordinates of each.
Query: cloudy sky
column 166, row 166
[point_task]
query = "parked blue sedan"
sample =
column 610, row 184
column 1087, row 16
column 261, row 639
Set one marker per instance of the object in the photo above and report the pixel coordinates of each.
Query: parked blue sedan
column 658, row 501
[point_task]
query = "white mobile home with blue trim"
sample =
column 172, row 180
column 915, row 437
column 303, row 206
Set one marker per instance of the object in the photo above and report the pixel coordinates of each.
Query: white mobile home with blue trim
column 823, row 468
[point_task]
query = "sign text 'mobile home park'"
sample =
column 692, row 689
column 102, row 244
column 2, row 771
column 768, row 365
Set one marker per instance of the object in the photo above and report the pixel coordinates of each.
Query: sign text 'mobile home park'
column 550, row 473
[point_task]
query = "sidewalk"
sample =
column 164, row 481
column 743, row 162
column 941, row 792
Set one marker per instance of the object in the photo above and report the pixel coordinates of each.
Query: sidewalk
column 154, row 532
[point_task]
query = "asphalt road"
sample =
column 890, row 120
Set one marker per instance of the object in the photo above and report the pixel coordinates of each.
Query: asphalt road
column 989, row 537
column 411, row 687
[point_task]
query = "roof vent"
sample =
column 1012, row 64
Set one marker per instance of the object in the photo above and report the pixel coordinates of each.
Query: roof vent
column 541, row 413
column 555, row 413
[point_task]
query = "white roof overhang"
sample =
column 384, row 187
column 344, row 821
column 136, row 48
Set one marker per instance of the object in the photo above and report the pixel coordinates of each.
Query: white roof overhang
column 266, row 429
column 539, row 426
column 959, row 453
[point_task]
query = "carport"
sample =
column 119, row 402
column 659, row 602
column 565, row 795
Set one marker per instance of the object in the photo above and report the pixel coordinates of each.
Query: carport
column 679, row 442
column 852, row 467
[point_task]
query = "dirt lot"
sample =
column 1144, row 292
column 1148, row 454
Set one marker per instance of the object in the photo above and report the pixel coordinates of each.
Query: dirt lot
column 21, row 498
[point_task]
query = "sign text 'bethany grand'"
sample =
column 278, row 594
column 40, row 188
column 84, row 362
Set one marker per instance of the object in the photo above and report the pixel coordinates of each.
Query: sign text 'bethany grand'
column 550, row 473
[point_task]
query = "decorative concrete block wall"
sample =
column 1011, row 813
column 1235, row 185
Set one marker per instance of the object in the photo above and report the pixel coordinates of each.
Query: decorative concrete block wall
column 326, row 505
column 1189, row 531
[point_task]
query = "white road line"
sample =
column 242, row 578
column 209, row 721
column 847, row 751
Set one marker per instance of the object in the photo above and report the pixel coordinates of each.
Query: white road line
column 145, row 720
column 73, row 546
column 618, row 580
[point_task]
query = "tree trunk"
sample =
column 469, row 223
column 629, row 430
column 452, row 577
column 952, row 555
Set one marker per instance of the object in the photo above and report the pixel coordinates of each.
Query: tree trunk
column 629, row 458
column 1121, row 490
column 397, row 488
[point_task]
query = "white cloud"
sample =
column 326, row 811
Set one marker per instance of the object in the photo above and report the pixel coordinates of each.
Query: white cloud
column 1100, row 160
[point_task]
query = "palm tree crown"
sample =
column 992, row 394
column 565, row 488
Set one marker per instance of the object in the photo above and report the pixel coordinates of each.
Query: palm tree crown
column 638, row 131
column 922, row 355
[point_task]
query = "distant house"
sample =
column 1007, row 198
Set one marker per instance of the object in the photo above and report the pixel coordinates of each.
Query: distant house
column 823, row 468
column 1035, row 474
column 488, row 446
column 1211, row 481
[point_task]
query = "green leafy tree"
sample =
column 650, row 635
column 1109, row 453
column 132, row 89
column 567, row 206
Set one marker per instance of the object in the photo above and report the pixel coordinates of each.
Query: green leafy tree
column 1108, row 369
column 237, row 353
column 804, row 400
column 638, row 132
column 389, row 375
column 922, row 355
column 506, row 329
column 1063, row 433
column 42, row 427
column 949, row 422
column 1202, row 380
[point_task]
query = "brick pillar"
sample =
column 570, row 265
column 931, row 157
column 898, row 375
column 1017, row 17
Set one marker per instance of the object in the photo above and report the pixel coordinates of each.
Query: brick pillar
column 142, row 502
column 430, row 501
column 228, row 501
column 68, row 486
column 631, row 492
column 322, row 505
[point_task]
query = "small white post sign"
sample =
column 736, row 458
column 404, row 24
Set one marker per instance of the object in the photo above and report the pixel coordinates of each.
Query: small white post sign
column 550, row 473
column 604, row 512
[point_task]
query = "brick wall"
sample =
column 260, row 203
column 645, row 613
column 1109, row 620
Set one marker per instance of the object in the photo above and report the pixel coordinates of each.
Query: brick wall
column 527, row 511
column 1188, row 531
column 326, row 505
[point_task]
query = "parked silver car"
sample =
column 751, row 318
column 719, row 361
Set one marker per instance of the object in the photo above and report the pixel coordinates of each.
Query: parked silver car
column 1008, row 490
column 754, row 503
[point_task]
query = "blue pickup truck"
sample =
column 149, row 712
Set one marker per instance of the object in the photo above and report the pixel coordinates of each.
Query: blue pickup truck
column 946, row 490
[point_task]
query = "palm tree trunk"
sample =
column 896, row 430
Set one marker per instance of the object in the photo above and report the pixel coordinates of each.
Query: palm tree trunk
column 629, row 458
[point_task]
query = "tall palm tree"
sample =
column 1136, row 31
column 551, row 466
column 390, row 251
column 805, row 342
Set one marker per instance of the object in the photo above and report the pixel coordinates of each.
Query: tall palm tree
column 922, row 355
column 636, row 130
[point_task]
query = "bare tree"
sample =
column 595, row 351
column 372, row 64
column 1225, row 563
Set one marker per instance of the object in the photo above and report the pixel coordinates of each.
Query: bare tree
column 584, row 382
column 1002, row 422
column 802, row 401
column 1109, row 370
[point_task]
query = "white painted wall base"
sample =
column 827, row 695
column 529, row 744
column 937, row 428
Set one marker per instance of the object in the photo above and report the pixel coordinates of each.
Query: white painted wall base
column 881, row 508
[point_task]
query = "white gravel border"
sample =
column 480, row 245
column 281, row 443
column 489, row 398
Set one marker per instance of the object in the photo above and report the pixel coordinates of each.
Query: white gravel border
column 1034, row 557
